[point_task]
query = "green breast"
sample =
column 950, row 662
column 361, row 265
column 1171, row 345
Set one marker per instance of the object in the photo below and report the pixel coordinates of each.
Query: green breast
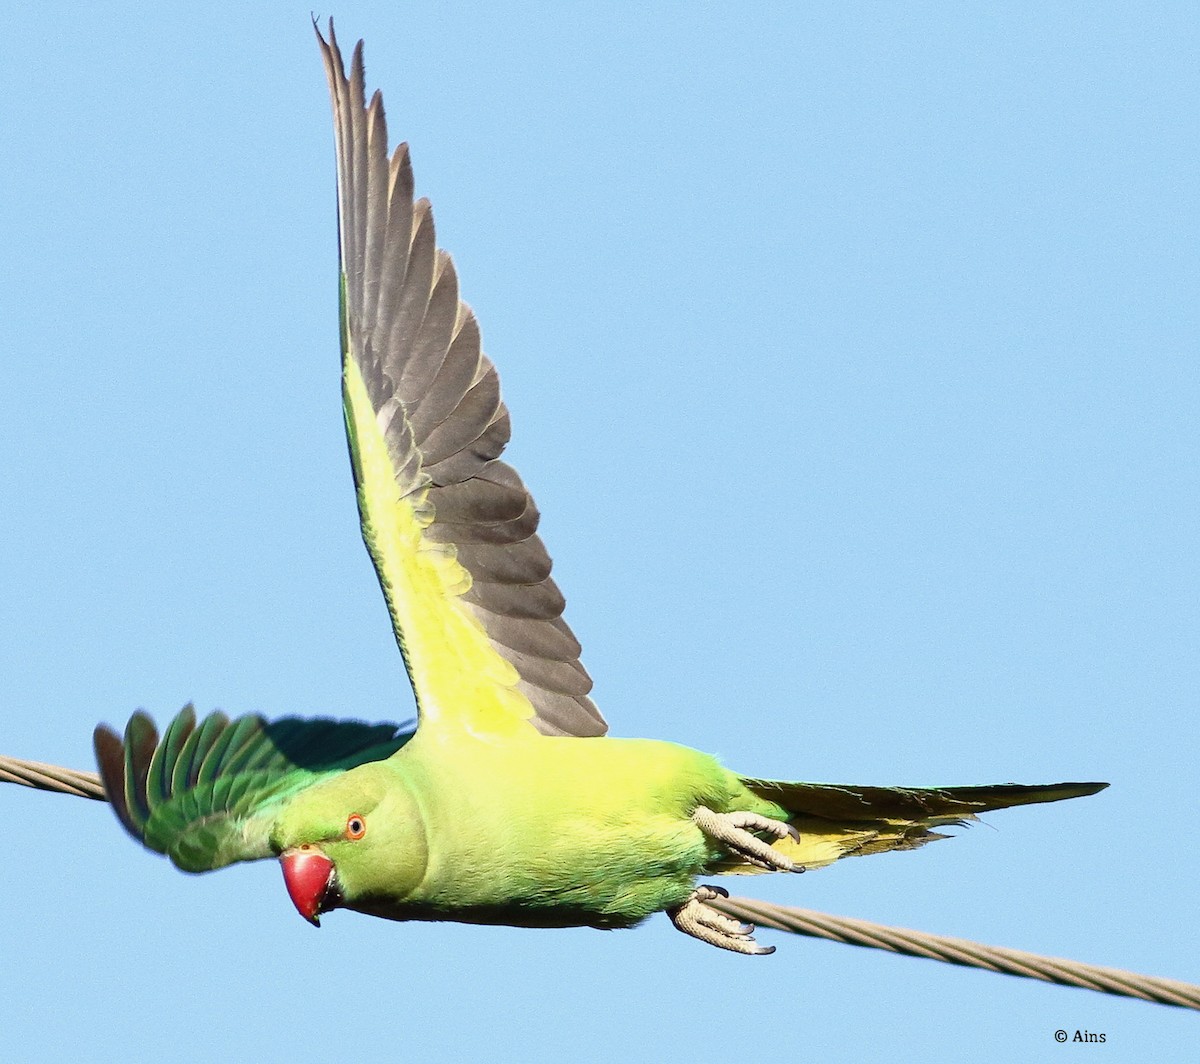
column 557, row 831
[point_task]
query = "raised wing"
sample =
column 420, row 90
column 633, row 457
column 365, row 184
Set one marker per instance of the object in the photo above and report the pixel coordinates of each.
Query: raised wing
column 451, row 529
column 208, row 795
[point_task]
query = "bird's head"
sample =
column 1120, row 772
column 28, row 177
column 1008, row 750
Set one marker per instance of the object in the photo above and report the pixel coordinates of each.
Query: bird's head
column 356, row 841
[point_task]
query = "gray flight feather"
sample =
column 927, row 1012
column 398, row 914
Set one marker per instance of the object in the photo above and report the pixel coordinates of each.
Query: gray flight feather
column 437, row 400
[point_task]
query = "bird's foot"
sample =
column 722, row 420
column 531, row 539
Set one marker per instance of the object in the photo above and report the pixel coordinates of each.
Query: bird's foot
column 700, row 920
column 733, row 830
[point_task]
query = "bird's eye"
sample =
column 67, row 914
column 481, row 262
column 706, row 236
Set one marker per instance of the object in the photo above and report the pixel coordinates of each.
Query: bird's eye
column 356, row 826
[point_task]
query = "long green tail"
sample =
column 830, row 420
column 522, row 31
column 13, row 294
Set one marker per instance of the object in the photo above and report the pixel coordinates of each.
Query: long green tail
column 838, row 821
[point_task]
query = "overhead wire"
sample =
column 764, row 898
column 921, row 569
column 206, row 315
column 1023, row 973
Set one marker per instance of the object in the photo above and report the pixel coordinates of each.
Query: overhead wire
column 797, row 921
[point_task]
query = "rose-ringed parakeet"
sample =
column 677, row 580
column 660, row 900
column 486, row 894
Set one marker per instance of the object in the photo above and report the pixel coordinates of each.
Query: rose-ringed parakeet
column 507, row 804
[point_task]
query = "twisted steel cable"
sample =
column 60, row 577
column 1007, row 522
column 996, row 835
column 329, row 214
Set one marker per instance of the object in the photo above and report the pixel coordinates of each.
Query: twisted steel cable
column 798, row 921
column 962, row 951
column 51, row 778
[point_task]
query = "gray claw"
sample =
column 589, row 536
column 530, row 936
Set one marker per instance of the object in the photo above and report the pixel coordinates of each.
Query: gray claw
column 733, row 830
column 698, row 919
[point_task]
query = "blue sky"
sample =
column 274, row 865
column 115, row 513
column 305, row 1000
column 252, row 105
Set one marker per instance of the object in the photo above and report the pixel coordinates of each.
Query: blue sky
column 852, row 357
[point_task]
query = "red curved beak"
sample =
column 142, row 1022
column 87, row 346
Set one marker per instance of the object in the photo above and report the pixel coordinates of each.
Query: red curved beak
column 308, row 874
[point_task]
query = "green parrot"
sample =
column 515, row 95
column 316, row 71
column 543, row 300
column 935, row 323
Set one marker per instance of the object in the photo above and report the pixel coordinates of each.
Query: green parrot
column 506, row 804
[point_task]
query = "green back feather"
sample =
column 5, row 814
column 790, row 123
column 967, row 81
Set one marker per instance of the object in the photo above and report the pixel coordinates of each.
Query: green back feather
column 207, row 795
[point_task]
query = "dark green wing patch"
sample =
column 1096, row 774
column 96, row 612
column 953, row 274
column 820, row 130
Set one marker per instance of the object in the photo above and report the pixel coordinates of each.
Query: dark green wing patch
column 206, row 795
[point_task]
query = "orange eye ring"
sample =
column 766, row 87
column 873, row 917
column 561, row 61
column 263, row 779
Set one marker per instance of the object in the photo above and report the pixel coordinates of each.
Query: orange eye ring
column 356, row 826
